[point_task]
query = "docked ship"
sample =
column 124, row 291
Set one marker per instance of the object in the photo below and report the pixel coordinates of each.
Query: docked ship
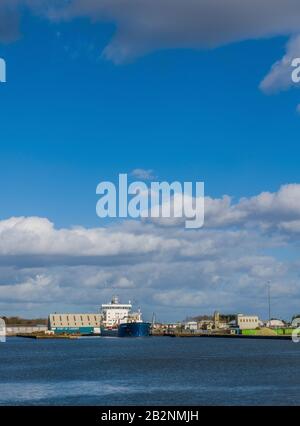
column 118, row 320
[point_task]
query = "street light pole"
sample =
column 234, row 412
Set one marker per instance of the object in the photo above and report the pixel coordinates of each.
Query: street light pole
column 269, row 300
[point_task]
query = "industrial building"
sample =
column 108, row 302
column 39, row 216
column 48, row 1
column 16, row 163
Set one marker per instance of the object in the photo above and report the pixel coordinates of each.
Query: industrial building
column 247, row 322
column 74, row 323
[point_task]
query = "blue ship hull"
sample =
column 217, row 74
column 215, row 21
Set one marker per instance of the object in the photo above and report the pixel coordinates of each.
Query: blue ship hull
column 134, row 329
column 109, row 332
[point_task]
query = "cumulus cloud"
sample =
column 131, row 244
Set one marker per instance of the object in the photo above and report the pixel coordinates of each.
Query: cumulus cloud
column 280, row 76
column 37, row 236
column 143, row 26
column 168, row 270
column 268, row 211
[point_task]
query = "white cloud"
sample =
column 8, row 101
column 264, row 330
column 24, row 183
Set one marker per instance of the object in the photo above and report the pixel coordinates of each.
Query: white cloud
column 169, row 270
column 143, row 174
column 37, row 236
column 267, row 211
column 280, row 75
column 143, row 26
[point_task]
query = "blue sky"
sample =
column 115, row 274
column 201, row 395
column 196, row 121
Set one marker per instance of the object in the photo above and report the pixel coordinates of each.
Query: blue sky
column 71, row 118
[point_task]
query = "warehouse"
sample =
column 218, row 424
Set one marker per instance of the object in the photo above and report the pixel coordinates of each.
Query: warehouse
column 247, row 322
column 74, row 323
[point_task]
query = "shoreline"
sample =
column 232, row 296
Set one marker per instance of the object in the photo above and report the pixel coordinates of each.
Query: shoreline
column 229, row 336
column 181, row 336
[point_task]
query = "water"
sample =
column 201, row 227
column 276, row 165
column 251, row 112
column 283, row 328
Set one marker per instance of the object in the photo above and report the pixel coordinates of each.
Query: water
column 150, row 371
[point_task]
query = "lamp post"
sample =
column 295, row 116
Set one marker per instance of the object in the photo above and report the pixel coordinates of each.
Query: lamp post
column 269, row 299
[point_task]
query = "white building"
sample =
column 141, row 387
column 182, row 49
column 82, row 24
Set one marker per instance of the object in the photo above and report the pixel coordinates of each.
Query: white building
column 115, row 313
column 275, row 323
column 12, row 330
column 247, row 322
column 191, row 325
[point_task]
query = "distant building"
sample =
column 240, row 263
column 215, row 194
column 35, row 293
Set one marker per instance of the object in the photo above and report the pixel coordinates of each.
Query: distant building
column 296, row 323
column 191, row 325
column 174, row 326
column 247, row 322
column 74, row 323
column 157, row 326
column 275, row 323
column 223, row 326
column 216, row 319
column 205, row 325
column 12, row 330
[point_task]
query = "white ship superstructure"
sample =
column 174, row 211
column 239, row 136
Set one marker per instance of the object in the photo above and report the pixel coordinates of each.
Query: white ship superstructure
column 115, row 313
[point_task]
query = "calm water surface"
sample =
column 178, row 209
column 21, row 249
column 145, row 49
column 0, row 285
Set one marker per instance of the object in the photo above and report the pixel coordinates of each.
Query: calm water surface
column 150, row 371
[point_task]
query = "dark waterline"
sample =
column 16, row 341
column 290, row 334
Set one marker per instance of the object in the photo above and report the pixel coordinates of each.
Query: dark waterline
column 150, row 371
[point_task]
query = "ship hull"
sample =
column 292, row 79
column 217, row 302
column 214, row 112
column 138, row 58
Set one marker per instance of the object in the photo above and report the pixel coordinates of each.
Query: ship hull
column 134, row 329
column 109, row 332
